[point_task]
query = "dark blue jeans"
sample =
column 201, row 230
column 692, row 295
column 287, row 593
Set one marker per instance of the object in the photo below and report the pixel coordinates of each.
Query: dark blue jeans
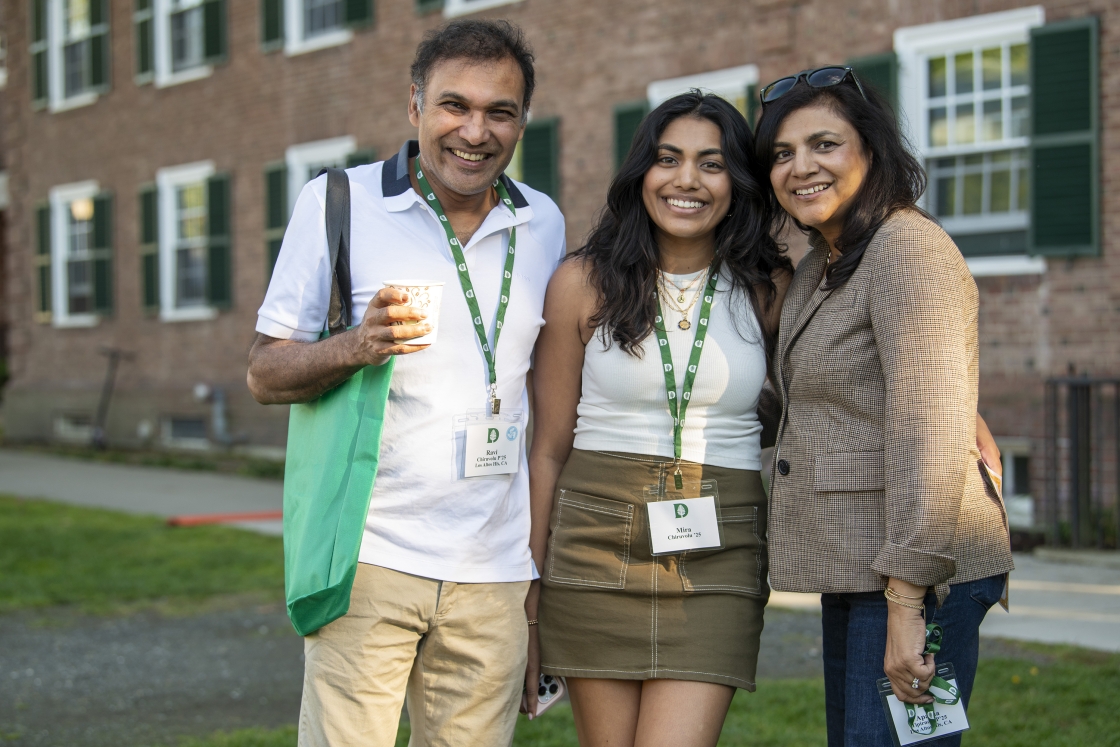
column 855, row 638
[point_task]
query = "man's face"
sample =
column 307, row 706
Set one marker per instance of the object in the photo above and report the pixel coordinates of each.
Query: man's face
column 471, row 122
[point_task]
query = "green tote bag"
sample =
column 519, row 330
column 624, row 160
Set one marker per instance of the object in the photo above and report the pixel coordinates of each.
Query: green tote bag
column 332, row 456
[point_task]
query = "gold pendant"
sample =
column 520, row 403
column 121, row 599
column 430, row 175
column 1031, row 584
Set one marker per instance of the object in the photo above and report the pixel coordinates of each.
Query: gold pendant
column 680, row 298
column 684, row 324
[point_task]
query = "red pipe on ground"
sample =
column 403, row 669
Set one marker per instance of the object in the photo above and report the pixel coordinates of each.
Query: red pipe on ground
column 198, row 519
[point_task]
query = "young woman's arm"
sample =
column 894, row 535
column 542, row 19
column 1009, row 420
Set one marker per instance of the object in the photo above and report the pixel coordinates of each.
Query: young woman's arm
column 557, row 379
column 769, row 401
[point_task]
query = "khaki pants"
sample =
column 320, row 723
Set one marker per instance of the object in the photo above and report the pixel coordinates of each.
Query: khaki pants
column 459, row 650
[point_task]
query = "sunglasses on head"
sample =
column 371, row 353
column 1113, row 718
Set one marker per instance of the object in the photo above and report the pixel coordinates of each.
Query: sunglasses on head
column 822, row 77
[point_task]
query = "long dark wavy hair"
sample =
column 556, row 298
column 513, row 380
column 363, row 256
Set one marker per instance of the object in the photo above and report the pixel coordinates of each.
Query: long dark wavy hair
column 895, row 179
column 623, row 256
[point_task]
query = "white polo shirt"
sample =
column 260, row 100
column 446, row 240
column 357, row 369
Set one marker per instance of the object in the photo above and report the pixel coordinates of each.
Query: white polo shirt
column 422, row 520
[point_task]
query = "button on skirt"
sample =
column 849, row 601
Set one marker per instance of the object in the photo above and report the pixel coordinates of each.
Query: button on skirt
column 610, row 609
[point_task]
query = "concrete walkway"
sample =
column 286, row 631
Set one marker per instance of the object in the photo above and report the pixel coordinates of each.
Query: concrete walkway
column 138, row 490
column 1063, row 599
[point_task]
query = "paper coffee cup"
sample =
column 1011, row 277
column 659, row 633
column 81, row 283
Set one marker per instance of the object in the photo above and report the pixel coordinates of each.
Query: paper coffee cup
column 422, row 294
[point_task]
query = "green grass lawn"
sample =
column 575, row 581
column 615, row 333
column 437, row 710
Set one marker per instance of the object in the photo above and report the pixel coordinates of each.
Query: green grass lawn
column 1054, row 696
column 51, row 554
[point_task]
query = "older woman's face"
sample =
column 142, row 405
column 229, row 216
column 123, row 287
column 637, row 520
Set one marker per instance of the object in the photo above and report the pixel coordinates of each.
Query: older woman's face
column 687, row 191
column 819, row 165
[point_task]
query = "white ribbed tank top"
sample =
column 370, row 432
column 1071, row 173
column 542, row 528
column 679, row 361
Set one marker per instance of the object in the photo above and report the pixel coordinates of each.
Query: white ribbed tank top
column 623, row 406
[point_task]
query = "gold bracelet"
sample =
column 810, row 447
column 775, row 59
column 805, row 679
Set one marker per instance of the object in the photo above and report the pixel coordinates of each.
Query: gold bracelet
column 903, row 604
column 534, row 622
column 905, row 596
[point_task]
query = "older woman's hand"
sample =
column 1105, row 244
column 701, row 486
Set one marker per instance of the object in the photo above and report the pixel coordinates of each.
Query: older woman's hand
column 986, row 443
column 903, row 661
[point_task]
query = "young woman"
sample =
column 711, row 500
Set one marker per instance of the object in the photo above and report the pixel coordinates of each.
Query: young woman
column 673, row 299
column 878, row 497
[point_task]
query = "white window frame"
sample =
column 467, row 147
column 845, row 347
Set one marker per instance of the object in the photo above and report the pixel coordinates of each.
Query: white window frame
column 168, row 180
column 914, row 45
column 3, row 60
column 60, row 198
column 452, row 8
column 56, row 68
column 161, row 52
column 299, row 158
column 725, row 83
column 296, row 44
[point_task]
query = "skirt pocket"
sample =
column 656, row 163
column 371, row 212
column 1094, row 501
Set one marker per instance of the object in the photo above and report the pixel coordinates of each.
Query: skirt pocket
column 737, row 566
column 590, row 543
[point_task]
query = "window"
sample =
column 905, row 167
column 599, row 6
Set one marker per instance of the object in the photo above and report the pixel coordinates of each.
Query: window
column 536, row 160
column 306, row 25
column 178, row 41
column 736, row 84
column 80, row 260
column 69, row 51
column 305, row 162
column 1016, row 457
column 3, row 61
column 192, row 263
column 462, row 7
column 965, row 92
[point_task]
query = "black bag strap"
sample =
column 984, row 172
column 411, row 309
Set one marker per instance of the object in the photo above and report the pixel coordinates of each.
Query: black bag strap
column 339, row 313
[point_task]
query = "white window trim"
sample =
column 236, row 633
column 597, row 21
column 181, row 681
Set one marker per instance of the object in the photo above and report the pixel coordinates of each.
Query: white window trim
column 295, row 44
column 167, row 180
column 452, row 8
column 1006, row 264
column 912, row 45
column 298, row 158
column 56, row 85
column 164, row 76
column 60, row 198
column 719, row 82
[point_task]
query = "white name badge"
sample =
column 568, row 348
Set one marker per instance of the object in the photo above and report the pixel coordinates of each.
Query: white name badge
column 493, row 448
column 683, row 524
column 947, row 719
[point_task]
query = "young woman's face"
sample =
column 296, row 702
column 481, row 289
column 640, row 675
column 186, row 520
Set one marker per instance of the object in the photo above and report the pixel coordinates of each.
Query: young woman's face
column 819, row 166
column 687, row 191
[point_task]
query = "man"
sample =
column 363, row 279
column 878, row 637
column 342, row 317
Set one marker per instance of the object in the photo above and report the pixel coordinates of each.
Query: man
column 437, row 606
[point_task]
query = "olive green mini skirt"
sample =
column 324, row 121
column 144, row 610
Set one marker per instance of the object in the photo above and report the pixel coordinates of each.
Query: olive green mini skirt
column 610, row 609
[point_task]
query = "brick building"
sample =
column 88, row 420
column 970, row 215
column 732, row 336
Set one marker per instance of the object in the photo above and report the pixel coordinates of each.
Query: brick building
column 155, row 148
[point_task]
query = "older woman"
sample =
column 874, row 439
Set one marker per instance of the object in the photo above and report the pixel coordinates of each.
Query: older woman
column 878, row 497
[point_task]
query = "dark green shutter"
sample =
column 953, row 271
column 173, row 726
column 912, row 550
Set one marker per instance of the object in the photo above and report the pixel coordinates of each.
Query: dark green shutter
column 627, row 117
column 99, row 46
column 43, row 257
column 359, row 12
column 214, row 30
column 1065, row 155
column 149, row 248
column 879, row 71
column 219, row 271
column 540, row 157
column 428, row 6
column 361, row 158
column 272, row 23
column 143, row 30
column 102, row 253
column 275, row 212
column 754, row 105
column 38, row 48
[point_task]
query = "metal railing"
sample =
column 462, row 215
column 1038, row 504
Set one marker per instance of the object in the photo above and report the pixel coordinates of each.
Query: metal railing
column 1082, row 460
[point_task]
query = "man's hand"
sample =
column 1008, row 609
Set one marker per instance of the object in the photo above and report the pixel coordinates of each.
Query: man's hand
column 384, row 331
column 284, row 372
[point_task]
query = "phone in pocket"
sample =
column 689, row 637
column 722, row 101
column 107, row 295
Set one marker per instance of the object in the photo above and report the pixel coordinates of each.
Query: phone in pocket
column 549, row 692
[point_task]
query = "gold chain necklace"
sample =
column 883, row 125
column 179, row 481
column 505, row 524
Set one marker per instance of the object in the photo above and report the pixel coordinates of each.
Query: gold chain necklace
column 683, row 324
column 681, row 291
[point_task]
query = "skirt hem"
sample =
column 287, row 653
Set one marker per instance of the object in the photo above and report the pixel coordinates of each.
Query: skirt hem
column 649, row 674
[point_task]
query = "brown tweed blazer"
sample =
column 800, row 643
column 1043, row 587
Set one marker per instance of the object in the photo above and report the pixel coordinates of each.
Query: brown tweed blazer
column 876, row 471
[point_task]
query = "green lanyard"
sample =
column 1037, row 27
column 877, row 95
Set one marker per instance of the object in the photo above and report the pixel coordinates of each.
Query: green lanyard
column 677, row 412
column 488, row 350
column 939, row 688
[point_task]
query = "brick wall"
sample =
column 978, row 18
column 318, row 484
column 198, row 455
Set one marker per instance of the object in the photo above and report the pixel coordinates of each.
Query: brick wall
column 591, row 56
